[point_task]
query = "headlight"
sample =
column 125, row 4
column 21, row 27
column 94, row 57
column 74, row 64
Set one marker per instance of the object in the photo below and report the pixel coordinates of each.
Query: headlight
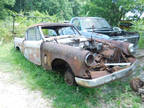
column 89, row 59
column 131, row 48
column 117, row 29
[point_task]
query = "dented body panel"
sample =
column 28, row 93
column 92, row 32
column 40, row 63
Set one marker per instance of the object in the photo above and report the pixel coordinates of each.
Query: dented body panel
column 32, row 51
column 106, row 79
column 74, row 57
column 90, row 60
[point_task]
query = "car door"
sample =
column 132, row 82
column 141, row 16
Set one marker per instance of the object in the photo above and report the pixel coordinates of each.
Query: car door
column 32, row 45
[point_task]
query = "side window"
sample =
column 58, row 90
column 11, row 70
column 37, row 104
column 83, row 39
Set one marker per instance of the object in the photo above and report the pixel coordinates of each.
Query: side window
column 38, row 35
column 76, row 23
column 49, row 32
column 66, row 31
column 31, row 35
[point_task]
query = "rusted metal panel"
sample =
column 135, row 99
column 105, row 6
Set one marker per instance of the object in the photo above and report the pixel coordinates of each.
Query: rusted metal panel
column 98, row 74
column 73, row 56
column 51, row 25
column 32, row 51
column 106, row 78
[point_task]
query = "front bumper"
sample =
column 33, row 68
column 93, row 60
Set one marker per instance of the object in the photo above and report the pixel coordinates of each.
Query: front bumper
column 105, row 79
column 131, row 39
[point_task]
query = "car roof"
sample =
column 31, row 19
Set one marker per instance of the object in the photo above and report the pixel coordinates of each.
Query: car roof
column 51, row 25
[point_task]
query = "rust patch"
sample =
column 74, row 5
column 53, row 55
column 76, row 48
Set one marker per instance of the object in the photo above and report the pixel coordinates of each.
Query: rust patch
column 97, row 74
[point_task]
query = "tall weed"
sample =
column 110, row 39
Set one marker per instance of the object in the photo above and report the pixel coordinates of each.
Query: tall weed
column 22, row 22
column 139, row 26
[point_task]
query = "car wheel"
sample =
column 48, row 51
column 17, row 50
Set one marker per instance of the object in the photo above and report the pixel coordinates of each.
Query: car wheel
column 69, row 78
column 135, row 84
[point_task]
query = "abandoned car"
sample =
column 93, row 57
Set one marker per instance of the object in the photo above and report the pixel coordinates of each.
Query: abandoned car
column 90, row 26
column 85, row 61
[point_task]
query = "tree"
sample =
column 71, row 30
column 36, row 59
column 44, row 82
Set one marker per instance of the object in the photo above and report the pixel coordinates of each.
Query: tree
column 76, row 7
column 139, row 7
column 111, row 10
column 4, row 4
column 61, row 8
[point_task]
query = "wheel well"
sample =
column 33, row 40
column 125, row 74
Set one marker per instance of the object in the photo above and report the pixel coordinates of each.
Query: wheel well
column 60, row 65
column 17, row 48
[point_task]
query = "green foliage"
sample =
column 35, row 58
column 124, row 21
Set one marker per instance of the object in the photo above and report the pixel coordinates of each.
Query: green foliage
column 5, row 31
column 22, row 23
column 4, row 4
column 139, row 26
column 111, row 11
column 63, row 8
column 139, row 6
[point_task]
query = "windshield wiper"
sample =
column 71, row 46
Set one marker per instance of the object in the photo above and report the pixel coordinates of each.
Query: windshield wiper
column 89, row 28
column 97, row 28
column 106, row 28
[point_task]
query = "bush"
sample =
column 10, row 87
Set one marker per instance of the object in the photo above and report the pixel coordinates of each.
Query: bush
column 22, row 23
column 5, row 31
column 139, row 26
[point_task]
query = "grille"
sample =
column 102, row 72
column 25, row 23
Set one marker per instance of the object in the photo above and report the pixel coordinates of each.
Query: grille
column 133, row 40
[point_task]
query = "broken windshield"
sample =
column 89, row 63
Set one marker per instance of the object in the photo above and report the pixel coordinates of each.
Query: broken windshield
column 59, row 31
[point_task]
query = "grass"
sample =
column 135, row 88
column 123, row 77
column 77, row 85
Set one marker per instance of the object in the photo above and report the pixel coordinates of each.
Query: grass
column 139, row 27
column 117, row 94
column 141, row 40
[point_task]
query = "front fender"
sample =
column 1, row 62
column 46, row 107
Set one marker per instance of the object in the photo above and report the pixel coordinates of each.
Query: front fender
column 73, row 56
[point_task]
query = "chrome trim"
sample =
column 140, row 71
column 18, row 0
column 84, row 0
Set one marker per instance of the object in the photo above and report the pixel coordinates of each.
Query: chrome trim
column 86, row 59
column 105, row 79
column 116, row 64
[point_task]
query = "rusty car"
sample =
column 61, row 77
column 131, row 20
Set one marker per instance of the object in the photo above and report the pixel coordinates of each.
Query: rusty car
column 88, row 62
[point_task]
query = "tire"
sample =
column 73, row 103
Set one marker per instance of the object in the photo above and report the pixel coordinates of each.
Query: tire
column 135, row 84
column 69, row 77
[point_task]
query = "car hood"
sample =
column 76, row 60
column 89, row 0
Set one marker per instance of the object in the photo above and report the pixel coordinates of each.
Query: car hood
column 95, row 35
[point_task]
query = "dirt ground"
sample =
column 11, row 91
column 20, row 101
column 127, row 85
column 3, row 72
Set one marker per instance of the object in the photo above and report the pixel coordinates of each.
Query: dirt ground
column 140, row 58
column 15, row 95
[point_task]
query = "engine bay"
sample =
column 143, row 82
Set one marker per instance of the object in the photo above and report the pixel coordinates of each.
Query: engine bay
column 108, row 57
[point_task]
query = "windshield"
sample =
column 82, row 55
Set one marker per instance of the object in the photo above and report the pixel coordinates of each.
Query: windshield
column 96, row 23
column 59, row 31
column 68, row 31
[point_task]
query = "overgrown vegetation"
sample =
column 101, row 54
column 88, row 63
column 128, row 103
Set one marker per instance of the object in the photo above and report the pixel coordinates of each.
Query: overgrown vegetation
column 114, row 95
column 139, row 27
column 4, row 7
column 22, row 23
column 112, row 10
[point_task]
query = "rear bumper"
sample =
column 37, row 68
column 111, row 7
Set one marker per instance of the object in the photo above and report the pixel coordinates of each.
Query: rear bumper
column 105, row 79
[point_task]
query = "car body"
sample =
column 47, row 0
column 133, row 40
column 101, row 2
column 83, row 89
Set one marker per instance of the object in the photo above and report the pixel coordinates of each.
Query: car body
column 92, row 25
column 85, row 61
